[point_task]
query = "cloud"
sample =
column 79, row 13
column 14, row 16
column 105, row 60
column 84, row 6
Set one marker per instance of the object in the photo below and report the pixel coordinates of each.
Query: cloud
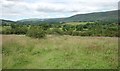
column 53, row 8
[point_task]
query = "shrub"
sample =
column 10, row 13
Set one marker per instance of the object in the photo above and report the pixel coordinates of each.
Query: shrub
column 68, row 28
column 75, row 33
column 79, row 27
column 86, row 33
column 57, row 31
column 7, row 31
column 36, row 32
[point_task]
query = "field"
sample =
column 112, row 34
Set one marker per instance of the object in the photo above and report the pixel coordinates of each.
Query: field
column 66, row 52
column 0, row 28
column 0, row 52
column 77, row 23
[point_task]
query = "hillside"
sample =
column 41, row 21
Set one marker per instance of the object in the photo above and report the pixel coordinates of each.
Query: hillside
column 109, row 16
column 2, row 21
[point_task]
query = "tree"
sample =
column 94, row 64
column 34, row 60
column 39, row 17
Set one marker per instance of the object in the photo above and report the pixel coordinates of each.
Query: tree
column 36, row 32
column 79, row 27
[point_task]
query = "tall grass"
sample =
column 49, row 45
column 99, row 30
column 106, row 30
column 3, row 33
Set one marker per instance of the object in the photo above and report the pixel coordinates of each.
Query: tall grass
column 66, row 52
column 77, row 23
column 0, row 52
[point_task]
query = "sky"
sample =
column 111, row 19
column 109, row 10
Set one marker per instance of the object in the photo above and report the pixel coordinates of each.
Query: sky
column 25, row 9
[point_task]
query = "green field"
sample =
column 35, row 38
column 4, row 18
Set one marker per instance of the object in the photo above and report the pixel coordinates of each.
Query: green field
column 77, row 23
column 66, row 52
column 0, row 52
column 0, row 28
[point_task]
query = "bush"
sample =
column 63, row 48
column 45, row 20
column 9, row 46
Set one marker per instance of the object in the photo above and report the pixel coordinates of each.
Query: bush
column 7, row 31
column 57, row 31
column 76, row 33
column 86, row 33
column 68, row 28
column 36, row 32
column 68, row 32
column 14, row 29
column 20, row 30
column 79, row 28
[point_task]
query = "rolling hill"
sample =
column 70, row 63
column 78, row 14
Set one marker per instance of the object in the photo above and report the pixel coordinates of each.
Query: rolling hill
column 2, row 21
column 109, row 16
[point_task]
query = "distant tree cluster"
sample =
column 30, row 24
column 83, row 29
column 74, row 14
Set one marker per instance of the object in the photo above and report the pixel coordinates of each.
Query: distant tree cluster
column 36, row 32
column 41, row 30
column 14, row 29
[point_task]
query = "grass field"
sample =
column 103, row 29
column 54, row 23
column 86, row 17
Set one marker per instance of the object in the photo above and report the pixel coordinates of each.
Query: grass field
column 0, row 52
column 0, row 28
column 66, row 52
column 77, row 23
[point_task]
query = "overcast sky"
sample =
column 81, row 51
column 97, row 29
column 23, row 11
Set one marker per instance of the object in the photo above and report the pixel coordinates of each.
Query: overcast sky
column 24, row 9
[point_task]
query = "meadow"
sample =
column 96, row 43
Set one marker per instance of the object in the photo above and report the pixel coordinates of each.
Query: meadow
column 77, row 23
column 0, row 52
column 56, row 52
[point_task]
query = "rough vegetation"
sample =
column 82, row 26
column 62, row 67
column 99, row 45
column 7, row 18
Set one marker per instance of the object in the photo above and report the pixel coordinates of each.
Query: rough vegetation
column 41, row 30
column 66, row 52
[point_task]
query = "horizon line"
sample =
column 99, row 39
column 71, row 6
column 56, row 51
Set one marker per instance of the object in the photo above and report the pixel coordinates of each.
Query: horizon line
column 56, row 17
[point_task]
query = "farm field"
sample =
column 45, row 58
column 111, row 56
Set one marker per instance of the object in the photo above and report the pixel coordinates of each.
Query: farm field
column 53, row 51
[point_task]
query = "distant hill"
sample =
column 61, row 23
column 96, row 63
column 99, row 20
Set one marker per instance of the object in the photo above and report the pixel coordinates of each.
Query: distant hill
column 109, row 16
column 2, row 21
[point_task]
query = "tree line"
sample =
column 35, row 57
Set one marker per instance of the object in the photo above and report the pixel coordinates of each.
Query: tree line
column 41, row 30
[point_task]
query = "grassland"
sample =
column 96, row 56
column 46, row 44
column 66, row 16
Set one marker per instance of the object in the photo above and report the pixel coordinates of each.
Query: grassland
column 0, row 28
column 66, row 52
column 77, row 23
column 0, row 52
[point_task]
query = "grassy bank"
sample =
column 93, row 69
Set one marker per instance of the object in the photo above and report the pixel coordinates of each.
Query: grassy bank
column 65, row 52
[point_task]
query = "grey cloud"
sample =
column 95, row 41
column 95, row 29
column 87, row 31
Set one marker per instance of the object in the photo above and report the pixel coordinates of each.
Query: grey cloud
column 24, row 8
column 14, row 0
column 53, row 10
